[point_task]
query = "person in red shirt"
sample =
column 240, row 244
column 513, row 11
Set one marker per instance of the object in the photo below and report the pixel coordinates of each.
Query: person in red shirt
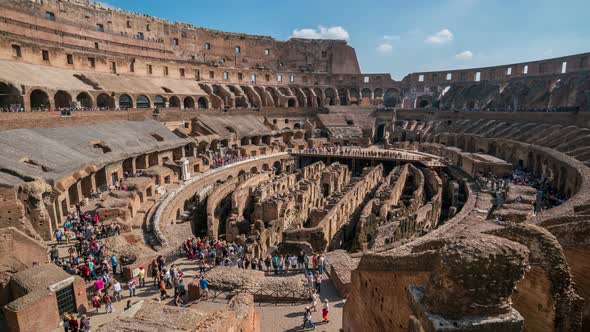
column 85, row 271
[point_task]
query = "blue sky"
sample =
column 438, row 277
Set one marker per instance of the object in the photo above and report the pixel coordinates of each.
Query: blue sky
column 400, row 37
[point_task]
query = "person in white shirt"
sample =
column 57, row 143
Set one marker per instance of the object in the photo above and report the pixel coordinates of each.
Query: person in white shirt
column 117, row 291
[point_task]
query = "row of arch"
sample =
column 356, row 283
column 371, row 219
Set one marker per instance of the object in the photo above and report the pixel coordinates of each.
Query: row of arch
column 220, row 95
column 40, row 99
column 271, row 96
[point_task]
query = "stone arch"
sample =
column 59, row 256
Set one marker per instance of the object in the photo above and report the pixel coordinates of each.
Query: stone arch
column 84, row 100
column 391, row 98
column 125, row 101
column 174, row 102
column 202, row 147
column 62, row 99
column 274, row 95
column 159, row 102
column 378, row 93
column 265, row 167
column 254, row 170
column 291, row 102
column 355, row 96
column 10, row 95
column 278, row 167
column 366, row 93
column 39, row 99
column 423, row 103
column 203, row 103
column 142, row 101
column 104, row 100
column 308, row 93
column 342, row 93
column 320, row 96
column 297, row 126
column 188, row 102
column 331, row 97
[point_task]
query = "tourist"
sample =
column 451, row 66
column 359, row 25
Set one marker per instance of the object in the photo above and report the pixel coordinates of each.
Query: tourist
column 114, row 263
column 128, row 305
column 267, row 263
column 293, row 260
column 73, row 323
column 163, row 293
column 132, row 284
column 281, row 264
column 181, row 288
column 300, row 261
column 307, row 318
column 96, row 302
column 54, row 254
column 141, row 276
column 204, row 285
column 58, row 236
column 85, row 324
column 107, row 303
column 314, row 301
column 98, row 286
column 318, row 281
column 321, row 262
column 310, row 280
column 202, row 266
column 325, row 311
column 275, row 263
column 155, row 272
column 117, row 291
column 66, row 322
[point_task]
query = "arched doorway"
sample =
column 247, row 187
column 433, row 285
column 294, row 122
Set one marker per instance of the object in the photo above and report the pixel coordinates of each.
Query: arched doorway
column 203, row 104
column 39, row 100
column 84, row 100
column 62, row 99
column 378, row 93
column 174, row 102
column 159, row 102
column 331, row 96
column 354, row 96
column 391, row 98
column 423, row 103
column 343, row 96
column 379, row 133
column 143, row 102
column 125, row 101
column 105, row 101
column 278, row 167
column 366, row 93
column 189, row 103
column 10, row 97
column 291, row 103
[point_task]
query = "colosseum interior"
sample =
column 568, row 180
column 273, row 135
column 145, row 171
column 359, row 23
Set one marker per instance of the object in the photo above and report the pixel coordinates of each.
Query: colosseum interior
column 134, row 148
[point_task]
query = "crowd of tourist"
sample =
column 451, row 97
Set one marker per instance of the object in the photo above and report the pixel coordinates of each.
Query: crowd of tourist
column 544, row 110
column 222, row 159
column 547, row 197
column 355, row 151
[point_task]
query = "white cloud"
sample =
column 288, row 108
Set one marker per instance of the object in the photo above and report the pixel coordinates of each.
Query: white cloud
column 442, row 37
column 465, row 55
column 391, row 37
column 385, row 48
column 321, row 32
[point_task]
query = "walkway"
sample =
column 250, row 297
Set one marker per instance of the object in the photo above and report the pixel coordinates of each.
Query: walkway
column 373, row 154
column 282, row 317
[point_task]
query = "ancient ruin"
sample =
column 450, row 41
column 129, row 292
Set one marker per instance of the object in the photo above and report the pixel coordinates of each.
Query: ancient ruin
column 133, row 147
